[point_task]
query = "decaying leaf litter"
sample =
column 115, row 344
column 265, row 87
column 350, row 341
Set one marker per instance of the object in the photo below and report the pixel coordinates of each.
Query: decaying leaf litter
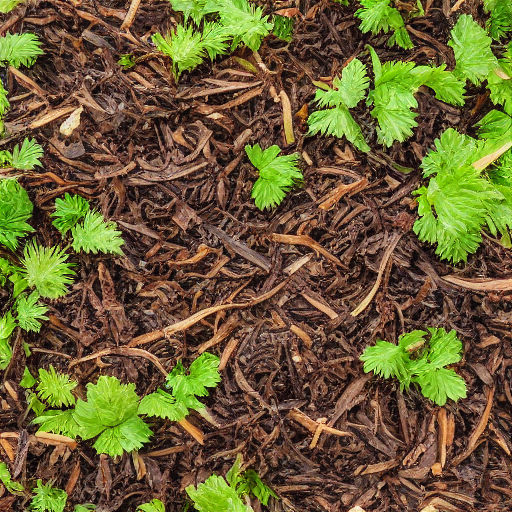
column 278, row 295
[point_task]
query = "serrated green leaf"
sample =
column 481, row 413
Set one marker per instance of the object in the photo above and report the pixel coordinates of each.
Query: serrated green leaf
column 216, row 495
column 29, row 312
column 27, row 156
column 46, row 269
column 6, row 479
column 55, row 388
column 472, row 49
column 387, row 360
column 277, row 174
column 58, row 422
column 27, row 380
column 48, row 498
column 95, row 234
column 69, row 211
column 154, row 505
column 440, row 384
column 19, row 49
column 15, row 209
column 163, row 405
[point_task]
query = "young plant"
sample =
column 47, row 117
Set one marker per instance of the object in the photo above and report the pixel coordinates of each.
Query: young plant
column 237, row 20
column 500, row 19
column 23, row 158
column 420, row 358
column 15, row 50
column 460, row 199
column 277, row 174
column 55, row 388
column 93, row 234
column 152, row 506
column 184, row 388
column 8, row 5
column 499, row 82
column 472, row 48
column 187, row 47
column 87, row 507
column 378, row 16
column 393, row 97
column 48, row 498
column 110, row 414
column 283, row 27
column 218, row 495
column 346, row 93
column 8, row 483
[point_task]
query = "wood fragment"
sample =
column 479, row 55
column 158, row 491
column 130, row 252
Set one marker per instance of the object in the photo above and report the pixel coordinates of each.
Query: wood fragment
column 304, row 336
column 122, row 351
column 479, row 283
column 73, row 478
column 27, row 82
column 484, row 420
column 329, row 200
column 165, row 451
column 7, row 448
column 442, row 435
column 55, row 439
column 130, row 15
column 192, row 430
column 287, row 117
column 200, row 315
column 312, row 425
column 50, row 116
column 389, row 251
column 321, row 307
column 308, row 242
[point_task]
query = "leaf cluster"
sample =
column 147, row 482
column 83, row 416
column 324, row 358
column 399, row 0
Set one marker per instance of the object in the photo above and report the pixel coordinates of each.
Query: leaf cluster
column 460, row 198
column 228, row 24
column 379, row 16
column 8, row 483
column 15, row 50
column 277, row 174
column 48, row 498
column 183, row 389
column 217, row 494
column 90, row 232
column 499, row 23
column 421, row 361
column 392, row 98
column 112, row 411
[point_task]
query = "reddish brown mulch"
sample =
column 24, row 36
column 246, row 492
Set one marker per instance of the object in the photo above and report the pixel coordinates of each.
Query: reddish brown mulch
column 167, row 163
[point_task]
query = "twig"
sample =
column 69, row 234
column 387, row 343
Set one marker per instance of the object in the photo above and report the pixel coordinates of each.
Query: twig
column 287, row 118
column 130, row 15
column 389, row 251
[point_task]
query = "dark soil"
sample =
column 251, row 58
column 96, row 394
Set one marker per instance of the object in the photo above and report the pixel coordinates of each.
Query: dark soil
column 167, row 163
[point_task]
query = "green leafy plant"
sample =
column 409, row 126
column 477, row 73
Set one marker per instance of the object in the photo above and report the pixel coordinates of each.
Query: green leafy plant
column 29, row 312
column 48, row 498
column 8, row 5
column 110, row 414
column 127, row 61
column 500, row 19
column 46, row 269
column 55, row 388
column 472, row 49
column 346, row 93
column 218, row 495
column 25, row 157
column 277, row 174
column 7, row 326
column 187, row 47
column 248, row 482
column 283, row 27
column 15, row 209
column 8, row 483
column 184, row 388
column 238, row 21
column 499, row 82
column 93, row 234
column 152, row 506
column 87, row 507
column 393, row 97
column 378, row 16
column 15, row 50
column 460, row 199
column 421, row 361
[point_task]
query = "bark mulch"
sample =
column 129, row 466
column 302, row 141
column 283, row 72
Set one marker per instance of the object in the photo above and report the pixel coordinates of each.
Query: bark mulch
column 167, row 163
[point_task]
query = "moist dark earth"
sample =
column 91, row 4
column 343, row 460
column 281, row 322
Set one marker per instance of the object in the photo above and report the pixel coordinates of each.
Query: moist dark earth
column 167, row 163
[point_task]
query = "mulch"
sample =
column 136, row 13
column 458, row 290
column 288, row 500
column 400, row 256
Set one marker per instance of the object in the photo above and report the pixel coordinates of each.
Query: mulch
column 167, row 163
